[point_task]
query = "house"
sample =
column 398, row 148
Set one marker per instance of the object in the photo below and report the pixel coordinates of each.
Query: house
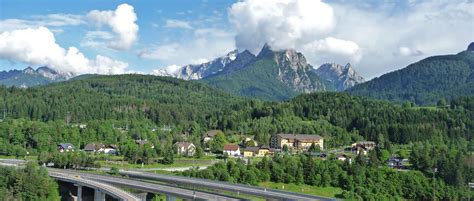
column 100, row 148
column 263, row 151
column 209, row 135
column 185, row 148
column 397, row 162
column 362, row 147
column 297, row 141
column 92, row 147
column 232, row 149
column 65, row 147
column 251, row 151
column 110, row 149
column 258, row 151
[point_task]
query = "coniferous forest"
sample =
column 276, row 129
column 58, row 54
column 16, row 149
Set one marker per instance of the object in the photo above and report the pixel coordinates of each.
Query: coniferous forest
column 120, row 109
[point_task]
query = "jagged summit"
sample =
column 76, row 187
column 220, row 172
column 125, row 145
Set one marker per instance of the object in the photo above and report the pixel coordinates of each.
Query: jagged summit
column 199, row 71
column 470, row 47
column 342, row 77
column 271, row 74
column 30, row 77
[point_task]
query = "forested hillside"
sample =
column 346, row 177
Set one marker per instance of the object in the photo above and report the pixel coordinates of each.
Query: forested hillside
column 162, row 100
column 120, row 109
column 149, row 102
column 424, row 82
column 271, row 75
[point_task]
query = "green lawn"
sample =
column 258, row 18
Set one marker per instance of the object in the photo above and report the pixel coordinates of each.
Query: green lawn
column 180, row 162
column 330, row 192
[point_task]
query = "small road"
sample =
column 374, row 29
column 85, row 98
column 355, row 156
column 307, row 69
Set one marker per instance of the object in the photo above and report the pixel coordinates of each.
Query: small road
column 211, row 184
column 11, row 162
column 105, row 188
column 148, row 187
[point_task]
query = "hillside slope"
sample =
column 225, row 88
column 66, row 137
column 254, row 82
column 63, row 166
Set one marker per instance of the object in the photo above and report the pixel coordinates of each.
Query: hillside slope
column 161, row 99
column 424, row 82
column 272, row 75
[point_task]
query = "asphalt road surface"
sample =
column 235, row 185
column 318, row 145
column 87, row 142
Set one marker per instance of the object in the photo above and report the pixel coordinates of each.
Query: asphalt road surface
column 148, row 187
column 245, row 189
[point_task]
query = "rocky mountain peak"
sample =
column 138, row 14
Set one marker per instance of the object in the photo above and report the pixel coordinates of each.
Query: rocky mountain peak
column 31, row 77
column 29, row 70
column 200, row 71
column 470, row 47
column 265, row 51
column 53, row 74
column 287, row 57
column 341, row 77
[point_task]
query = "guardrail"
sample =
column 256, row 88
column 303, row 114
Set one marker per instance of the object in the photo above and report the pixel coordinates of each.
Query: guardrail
column 105, row 188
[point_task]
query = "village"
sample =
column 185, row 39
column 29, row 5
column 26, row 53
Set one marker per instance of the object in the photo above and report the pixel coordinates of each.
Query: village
column 248, row 148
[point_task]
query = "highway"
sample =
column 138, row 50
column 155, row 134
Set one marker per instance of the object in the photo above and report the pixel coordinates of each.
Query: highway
column 105, row 188
column 211, row 184
column 147, row 187
column 188, row 181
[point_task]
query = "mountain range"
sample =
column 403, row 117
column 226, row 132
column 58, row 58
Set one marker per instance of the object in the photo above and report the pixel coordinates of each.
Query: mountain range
column 426, row 81
column 30, row 77
column 283, row 74
column 271, row 75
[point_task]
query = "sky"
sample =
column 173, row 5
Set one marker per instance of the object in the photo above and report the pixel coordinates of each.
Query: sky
column 116, row 37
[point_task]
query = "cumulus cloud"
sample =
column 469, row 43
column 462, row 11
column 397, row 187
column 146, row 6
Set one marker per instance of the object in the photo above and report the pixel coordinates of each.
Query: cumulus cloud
column 177, row 24
column 38, row 47
column 122, row 23
column 304, row 25
column 393, row 35
column 380, row 35
column 334, row 46
column 206, row 44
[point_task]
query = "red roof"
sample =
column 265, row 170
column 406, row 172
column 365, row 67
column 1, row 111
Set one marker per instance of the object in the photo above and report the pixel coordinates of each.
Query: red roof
column 231, row 147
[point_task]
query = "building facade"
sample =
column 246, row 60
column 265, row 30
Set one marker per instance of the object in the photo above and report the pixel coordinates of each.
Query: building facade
column 297, row 141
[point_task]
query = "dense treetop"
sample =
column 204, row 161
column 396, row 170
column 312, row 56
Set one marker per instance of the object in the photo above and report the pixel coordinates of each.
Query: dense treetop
column 424, row 82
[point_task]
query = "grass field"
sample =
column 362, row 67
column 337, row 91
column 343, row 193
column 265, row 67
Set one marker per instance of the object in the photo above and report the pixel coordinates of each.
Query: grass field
column 330, row 192
column 180, row 162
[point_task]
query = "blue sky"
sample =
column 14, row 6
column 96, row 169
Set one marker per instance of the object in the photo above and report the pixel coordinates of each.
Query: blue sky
column 376, row 36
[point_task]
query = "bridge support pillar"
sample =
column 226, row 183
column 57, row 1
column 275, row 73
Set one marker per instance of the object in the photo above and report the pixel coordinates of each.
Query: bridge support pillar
column 170, row 198
column 79, row 192
column 99, row 196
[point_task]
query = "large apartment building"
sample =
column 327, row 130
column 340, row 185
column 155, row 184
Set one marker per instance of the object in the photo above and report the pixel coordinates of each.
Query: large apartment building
column 297, row 141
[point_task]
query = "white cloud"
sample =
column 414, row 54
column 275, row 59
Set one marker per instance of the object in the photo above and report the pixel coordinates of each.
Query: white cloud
column 39, row 47
column 121, row 21
column 51, row 20
column 206, row 44
column 392, row 37
column 59, row 19
column 380, row 35
column 305, row 25
column 406, row 51
column 332, row 49
column 177, row 24
column 96, row 39
column 280, row 23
